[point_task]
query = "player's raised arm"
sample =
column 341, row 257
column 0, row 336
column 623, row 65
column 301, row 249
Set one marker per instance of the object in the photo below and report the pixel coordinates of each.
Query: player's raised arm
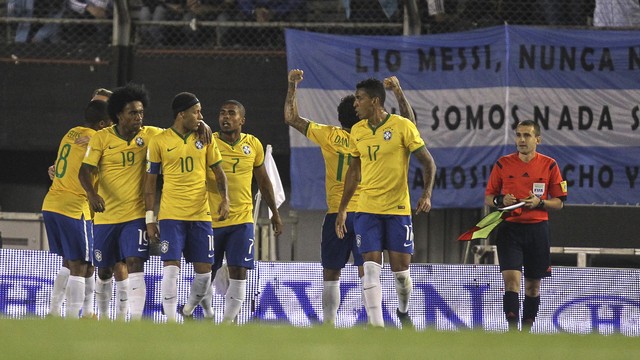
column 393, row 84
column 291, row 115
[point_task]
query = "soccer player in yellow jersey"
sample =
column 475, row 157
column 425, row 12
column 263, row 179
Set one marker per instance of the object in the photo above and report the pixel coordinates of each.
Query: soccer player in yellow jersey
column 381, row 144
column 67, row 216
column 334, row 144
column 242, row 159
column 117, row 154
column 184, row 216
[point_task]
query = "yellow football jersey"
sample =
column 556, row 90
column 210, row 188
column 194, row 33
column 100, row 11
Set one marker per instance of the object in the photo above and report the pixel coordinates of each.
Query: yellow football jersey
column 238, row 161
column 185, row 162
column 66, row 196
column 334, row 144
column 121, row 166
column 384, row 155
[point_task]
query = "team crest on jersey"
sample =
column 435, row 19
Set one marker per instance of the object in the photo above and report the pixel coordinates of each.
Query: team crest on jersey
column 164, row 247
column 386, row 135
column 140, row 141
column 199, row 144
column 246, row 149
column 98, row 255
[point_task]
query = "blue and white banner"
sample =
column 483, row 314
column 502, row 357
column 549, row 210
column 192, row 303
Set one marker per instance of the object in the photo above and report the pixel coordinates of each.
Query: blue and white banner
column 468, row 91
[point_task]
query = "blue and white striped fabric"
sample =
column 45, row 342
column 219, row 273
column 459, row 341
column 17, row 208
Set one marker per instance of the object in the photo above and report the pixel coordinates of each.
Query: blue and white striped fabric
column 469, row 89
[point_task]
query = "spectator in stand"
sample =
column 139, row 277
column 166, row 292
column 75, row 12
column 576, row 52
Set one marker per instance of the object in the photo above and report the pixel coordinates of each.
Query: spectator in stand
column 194, row 11
column 88, row 9
column 264, row 11
column 27, row 32
column 620, row 13
column 372, row 11
column 566, row 12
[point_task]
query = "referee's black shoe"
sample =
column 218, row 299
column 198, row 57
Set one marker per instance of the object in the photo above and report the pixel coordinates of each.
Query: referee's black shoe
column 405, row 320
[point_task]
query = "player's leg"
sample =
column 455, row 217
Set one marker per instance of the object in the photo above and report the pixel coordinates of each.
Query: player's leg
column 219, row 247
column 199, row 250
column 240, row 258
column 105, row 257
column 104, row 291
column 334, row 255
column 75, row 288
column 76, row 244
column 399, row 242
column 510, row 256
column 58, row 290
column 121, row 274
column 54, row 236
column 369, row 228
column 537, row 265
column 135, row 249
column 174, row 233
column 88, row 311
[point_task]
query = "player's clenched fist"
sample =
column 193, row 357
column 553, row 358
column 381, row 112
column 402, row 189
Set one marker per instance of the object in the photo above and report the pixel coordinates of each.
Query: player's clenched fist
column 391, row 83
column 295, row 75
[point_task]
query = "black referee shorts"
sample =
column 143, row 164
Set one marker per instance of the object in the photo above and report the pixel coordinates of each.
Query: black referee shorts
column 525, row 245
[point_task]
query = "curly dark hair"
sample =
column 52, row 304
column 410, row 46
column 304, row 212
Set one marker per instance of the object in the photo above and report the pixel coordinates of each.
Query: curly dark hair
column 124, row 95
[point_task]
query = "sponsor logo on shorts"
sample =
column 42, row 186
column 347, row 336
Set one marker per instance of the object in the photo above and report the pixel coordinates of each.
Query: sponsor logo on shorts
column 248, row 259
column 358, row 240
column 98, row 255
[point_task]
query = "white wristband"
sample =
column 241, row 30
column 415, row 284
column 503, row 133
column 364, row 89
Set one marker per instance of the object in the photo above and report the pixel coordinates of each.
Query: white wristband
column 150, row 217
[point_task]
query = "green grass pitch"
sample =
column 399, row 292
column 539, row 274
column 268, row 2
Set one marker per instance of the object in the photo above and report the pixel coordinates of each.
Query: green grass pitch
column 87, row 339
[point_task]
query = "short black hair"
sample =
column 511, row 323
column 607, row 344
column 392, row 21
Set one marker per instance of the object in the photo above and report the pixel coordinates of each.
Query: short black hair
column 347, row 113
column 536, row 126
column 237, row 103
column 124, row 95
column 95, row 112
column 373, row 88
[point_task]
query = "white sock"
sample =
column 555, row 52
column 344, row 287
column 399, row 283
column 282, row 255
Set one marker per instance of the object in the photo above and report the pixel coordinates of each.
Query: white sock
column 373, row 293
column 330, row 301
column 206, row 303
column 198, row 290
column 89, row 296
column 169, row 291
column 233, row 300
column 122, row 299
column 404, row 286
column 137, row 294
column 58, row 290
column 104, row 291
column 75, row 296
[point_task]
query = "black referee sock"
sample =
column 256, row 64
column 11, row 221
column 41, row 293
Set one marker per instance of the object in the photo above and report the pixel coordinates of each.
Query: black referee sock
column 511, row 306
column 530, row 309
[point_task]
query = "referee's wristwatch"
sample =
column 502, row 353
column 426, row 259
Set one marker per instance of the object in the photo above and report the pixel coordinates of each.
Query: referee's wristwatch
column 540, row 204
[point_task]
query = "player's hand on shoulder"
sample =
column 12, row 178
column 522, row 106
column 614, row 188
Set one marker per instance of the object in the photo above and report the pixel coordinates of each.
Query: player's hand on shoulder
column 52, row 172
column 82, row 140
column 204, row 132
column 296, row 75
